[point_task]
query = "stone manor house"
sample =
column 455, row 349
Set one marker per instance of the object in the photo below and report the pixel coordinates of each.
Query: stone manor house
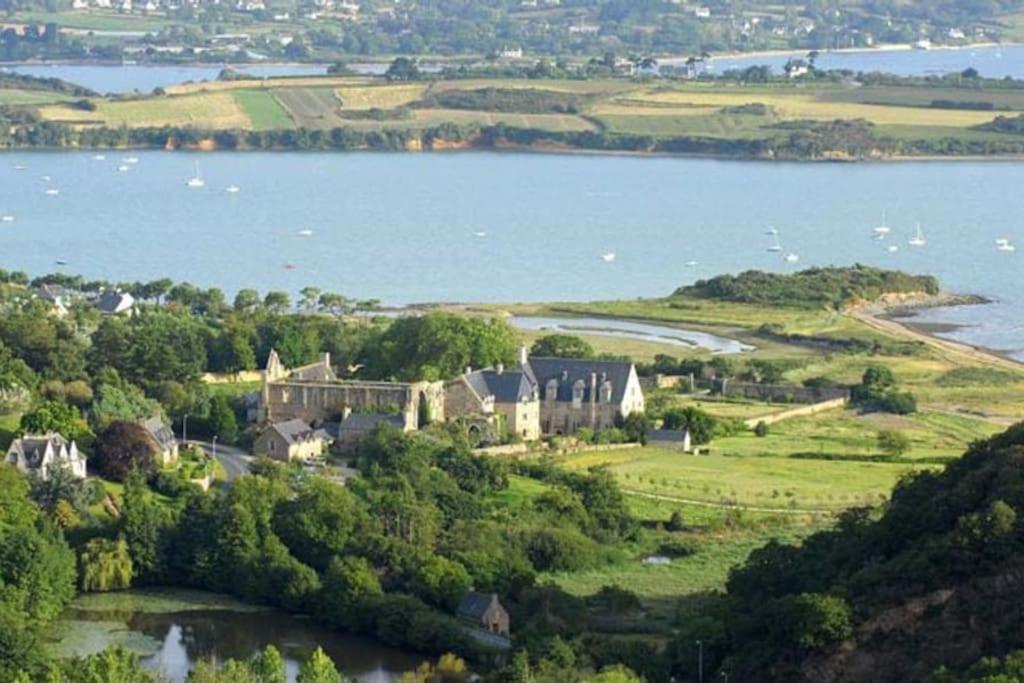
column 539, row 397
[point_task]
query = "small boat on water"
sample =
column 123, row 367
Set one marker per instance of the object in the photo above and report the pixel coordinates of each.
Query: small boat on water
column 892, row 248
column 771, row 230
column 776, row 245
column 792, row 258
column 609, row 257
column 691, row 264
column 130, row 160
column 61, row 262
column 305, row 233
column 918, row 240
column 480, row 233
column 46, row 178
column 882, row 230
column 7, row 219
column 233, row 189
column 1003, row 244
column 124, row 168
column 290, row 266
column 19, row 167
column 53, row 191
column 98, row 157
column 196, row 181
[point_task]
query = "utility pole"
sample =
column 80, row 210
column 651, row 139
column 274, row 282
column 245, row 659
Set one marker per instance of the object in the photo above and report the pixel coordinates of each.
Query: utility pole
column 700, row 661
column 184, row 429
column 214, row 446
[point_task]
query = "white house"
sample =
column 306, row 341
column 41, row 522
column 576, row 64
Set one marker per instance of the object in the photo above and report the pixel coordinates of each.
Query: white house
column 42, row 454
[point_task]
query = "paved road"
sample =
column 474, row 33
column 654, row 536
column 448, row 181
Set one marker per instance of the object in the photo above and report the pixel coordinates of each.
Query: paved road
column 234, row 460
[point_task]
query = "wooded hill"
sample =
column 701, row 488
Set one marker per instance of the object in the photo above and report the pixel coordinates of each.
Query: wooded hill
column 924, row 592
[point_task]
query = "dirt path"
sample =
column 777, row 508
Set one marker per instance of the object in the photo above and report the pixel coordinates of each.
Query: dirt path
column 951, row 350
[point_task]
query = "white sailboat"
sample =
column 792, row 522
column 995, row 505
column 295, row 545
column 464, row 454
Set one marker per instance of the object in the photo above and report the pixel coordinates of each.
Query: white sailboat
column 306, row 233
column 609, row 257
column 233, row 189
column 1003, row 244
column 480, row 233
column 7, row 219
column 775, row 246
column 197, row 179
column 918, row 240
column 882, row 230
column 53, row 192
column 792, row 258
column 771, row 230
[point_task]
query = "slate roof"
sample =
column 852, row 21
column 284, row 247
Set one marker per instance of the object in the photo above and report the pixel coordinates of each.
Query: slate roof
column 474, row 605
column 362, row 423
column 295, row 431
column 114, row 302
column 32, row 448
column 161, row 433
column 569, row 370
column 52, row 293
column 507, row 386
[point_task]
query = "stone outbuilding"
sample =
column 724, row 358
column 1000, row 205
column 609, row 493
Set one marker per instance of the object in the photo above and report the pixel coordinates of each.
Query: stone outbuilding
column 42, row 454
column 510, row 395
column 291, row 440
column 351, row 431
column 484, row 611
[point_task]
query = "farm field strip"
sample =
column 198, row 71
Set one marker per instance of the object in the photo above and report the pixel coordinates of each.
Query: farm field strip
column 311, row 107
column 263, row 109
column 206, row 110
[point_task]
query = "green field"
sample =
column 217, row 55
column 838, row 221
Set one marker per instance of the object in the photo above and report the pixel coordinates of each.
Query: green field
column 263, row 109
column 31, row 97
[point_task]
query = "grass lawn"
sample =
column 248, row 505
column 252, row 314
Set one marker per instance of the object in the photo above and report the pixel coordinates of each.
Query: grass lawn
column 263, row 109
column 30, row 97
column 96, row 20
column 9, row 425
column 380, row 96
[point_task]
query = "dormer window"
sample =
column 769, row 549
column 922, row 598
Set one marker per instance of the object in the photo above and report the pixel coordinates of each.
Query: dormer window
column 577, row 393
column 606, row 392
column 551, row 390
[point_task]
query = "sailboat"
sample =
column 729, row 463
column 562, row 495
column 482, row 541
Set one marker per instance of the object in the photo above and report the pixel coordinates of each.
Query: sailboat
column 1003, row 244
column 792, row 258
column 7, row 219
column 882, row 230
column 53, row 192
column 918, row 240
column 233, row 189
column 197, row 179
column 609, row 257
column 771, row 230
column 775, row 246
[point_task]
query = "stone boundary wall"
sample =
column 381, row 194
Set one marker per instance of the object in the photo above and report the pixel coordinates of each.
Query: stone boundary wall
column 780, row 392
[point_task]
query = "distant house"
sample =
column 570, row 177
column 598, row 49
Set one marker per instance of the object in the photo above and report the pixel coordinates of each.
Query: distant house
column 702, row 12
column 355, row 427
column 163, row 438
column 670, row 438
column 116, row 303
column 291, row 440
column 511, row 53
column 483, row 611
column 575, row 393
column 43, row 454
column 57, row 297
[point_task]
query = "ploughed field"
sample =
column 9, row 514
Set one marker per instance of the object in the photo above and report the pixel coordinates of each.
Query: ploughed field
column 655, row 109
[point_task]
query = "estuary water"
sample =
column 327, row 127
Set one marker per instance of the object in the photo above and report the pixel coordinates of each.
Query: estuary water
column 510, row 227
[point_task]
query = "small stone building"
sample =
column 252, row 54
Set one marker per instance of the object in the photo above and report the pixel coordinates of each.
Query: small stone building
column 42, row 454
column 484, row 611
column 291, row 440
column 352, row 430
column 163, row 439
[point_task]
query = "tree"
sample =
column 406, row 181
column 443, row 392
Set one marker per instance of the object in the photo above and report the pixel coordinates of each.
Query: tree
column 561, row 346
column 268, row 666
column 699, row 423
column 310, row 298
column 222, row 421
column 142, row 524
column 106, row 565
column 318, row 669
column 317, row 524
column 123, row 447
column 246, row 300
column 279, row 302
column 56, row 416
column 761, row 429
column 636, row 427
column 892, row 442
column 403, row 69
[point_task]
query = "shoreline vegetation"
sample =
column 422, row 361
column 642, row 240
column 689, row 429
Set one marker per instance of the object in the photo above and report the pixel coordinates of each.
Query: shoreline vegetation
column 746, row 114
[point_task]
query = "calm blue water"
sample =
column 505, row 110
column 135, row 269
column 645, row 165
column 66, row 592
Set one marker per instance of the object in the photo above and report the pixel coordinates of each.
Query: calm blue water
column 109, row 78
column 994, row 62
column 402, row 227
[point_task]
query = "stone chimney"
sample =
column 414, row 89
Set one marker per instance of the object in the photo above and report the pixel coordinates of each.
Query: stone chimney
column 523, row 356
column 325, row 358
column 499, row 368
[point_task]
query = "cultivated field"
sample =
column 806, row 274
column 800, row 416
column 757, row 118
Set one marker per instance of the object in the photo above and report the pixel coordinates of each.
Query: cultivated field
column 208, row 110
column 311, row 107
column 380, row 97
column 263, row 109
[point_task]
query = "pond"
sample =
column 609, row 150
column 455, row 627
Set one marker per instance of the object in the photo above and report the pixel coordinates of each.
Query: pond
column 173, row 629
column 625, row 329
